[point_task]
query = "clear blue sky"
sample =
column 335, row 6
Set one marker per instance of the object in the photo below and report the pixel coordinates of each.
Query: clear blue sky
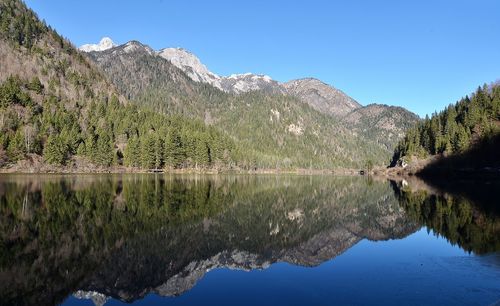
column 421, row 54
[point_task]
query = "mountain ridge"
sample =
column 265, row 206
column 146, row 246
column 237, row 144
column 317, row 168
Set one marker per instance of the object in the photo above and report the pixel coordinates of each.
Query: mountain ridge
column 277, row 130
column 303, row 88
column 168, row 86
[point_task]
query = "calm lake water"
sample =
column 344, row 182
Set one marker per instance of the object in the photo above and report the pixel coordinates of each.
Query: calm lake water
column 247, row 240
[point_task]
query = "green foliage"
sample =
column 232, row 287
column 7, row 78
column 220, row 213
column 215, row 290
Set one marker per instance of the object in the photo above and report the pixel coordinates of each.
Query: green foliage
column 11, row 92
column 16, row 149
column 460, row 220
column 455, row 129
column 19, row 24
column 35, row 85
column 369, row 166
column 133, row 153
column 151, row 152
column 260, row 124
column 55, row 151
column 104, row 150
column 151, row 140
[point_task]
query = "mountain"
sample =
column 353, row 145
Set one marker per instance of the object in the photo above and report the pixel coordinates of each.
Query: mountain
column 383, row 123
column 298, row 124
column 151, row 244
column 246, row 82
column 191, row 65
column 460, row 140
column 60, row 112
column 198, row 72
column 322, row 97
column 271, row 129
column 105, row 44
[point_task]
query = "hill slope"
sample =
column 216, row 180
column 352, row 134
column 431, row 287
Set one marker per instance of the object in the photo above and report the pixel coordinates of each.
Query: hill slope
column 463, row 136
column 383, row 124
column 272, row 129
column 57, row 108
column 322, row 97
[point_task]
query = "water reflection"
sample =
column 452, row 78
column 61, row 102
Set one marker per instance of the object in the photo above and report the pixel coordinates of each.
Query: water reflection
column 463, row 212
column 127, row 236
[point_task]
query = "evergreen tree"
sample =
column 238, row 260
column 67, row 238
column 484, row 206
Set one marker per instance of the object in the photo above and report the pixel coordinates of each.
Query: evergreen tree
column 104, row 149
column 55, row 151
column 452, row 130
column 149, row 152
column 202, row 156
column 174, row 153
column 132, row 154
column 16, row 148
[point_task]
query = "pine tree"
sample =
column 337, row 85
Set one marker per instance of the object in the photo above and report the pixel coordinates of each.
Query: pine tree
column 55, row 151
column 461, row 141
column 159, row 152
column 132, row 154
column 35, row 85
column 16, row 149
column 174, row 151
column 148, row 151
column 202, row 157
column 105, row 152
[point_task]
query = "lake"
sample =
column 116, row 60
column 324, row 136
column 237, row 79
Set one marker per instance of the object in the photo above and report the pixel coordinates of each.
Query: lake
column 155, row 239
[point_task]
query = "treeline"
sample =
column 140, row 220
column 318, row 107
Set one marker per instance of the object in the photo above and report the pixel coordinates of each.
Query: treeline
column 22, row 27
column 104, row 132
column 455, row 129
column 459, row 220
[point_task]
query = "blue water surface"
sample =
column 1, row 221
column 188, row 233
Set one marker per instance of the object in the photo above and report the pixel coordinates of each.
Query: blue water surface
column 421, row 269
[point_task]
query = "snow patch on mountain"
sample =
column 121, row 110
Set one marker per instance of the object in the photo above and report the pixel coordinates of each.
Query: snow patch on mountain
column 195, row 69
column 239, row 83
column 105, row 44
column 133, row 46
column 191, row 65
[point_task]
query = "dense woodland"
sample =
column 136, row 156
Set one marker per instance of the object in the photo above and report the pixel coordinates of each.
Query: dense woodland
column 105, row 132
column 460, row 127
column 259, row 122
column 57, row 108
column 472, row 225
column 125, row 227
column 65, row 111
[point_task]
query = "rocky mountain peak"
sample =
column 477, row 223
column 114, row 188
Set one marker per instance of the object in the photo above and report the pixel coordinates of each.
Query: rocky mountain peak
column 105, row 44
column 191, row 65
column 321, row 96
column 135, row 46
column 239, row 83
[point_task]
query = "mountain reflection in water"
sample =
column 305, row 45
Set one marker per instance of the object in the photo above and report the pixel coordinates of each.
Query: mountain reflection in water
column 126, row 236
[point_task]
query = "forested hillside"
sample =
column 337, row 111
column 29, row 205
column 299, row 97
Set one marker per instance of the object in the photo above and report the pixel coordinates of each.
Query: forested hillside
column 130, row 107
column 269, row 130
column 57, row 108
column 383, row 123
column 473, row 123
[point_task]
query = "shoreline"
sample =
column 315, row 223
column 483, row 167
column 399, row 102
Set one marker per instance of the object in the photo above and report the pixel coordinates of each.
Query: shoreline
column 184, row 171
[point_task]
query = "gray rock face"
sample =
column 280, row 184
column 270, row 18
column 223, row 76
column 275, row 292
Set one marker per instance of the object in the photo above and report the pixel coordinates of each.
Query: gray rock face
column 380, row 219
column 240, row 83
column 322, row 97
column 192, row 273
column 191, row 65
column 97, row 298
column 387, row 124
column 190, row 86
